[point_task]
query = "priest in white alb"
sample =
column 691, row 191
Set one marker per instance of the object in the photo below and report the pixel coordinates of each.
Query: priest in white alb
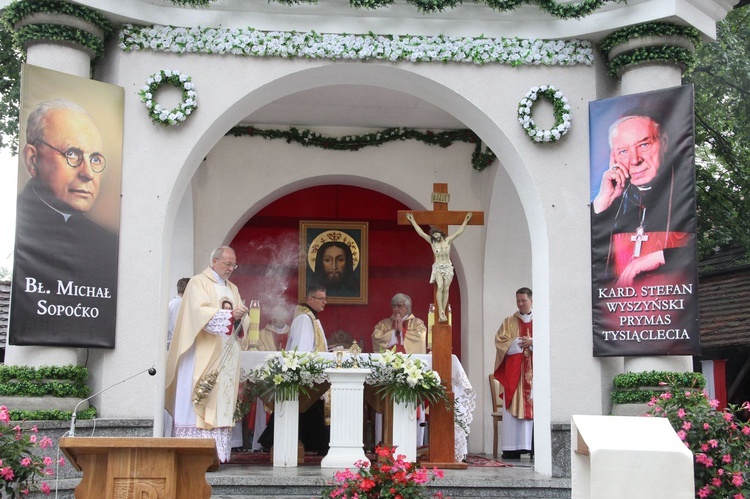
column 203, row 364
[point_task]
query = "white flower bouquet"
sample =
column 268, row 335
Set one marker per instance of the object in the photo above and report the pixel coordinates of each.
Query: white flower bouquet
column 288, row 374
column 404, row 378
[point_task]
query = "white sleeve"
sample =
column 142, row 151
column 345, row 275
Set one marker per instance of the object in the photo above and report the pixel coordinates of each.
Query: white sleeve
column 301, row 335
column 393, row 339
column 174, row 309
column 514, row 349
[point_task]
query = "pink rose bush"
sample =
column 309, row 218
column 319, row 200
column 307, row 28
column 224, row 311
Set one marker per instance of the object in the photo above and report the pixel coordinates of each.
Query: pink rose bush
column 392, row 478
column 21, row 471
column 719, row 441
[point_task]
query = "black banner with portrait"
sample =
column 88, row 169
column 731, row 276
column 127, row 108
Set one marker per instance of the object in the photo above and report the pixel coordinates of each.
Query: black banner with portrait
column 68, row 211
column 643, row 224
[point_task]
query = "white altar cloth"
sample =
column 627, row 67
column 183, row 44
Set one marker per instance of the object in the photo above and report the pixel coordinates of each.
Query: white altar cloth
column 464, row 394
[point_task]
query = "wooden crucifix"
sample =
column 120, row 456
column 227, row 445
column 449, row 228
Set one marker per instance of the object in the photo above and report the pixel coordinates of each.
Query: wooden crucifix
column 442, row 453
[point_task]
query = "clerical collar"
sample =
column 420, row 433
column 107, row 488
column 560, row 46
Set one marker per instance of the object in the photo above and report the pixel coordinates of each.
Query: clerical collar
column 310, row 309
column 277, row 330
column 218, row 278
column 66, row 216
column 643, row 188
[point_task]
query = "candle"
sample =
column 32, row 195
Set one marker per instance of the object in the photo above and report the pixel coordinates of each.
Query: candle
column 430, row 323
column 450, row 315
column 254, row 313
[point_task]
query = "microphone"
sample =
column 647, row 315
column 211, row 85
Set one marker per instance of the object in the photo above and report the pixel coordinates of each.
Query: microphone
column 151, row 371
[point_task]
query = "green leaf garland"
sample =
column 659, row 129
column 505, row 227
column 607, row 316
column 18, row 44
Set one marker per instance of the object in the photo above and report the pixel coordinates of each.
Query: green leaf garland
column 676, row 55
column 649, row 29
column 480, row 159
column 59, row 33
column 668, row 53
column 17, row 11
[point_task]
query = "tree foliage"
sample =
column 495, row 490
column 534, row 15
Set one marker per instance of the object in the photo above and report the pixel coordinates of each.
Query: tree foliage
column 10, row 85
column 722, row 117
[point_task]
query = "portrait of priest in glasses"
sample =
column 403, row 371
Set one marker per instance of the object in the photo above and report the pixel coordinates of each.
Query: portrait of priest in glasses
column 65, row 264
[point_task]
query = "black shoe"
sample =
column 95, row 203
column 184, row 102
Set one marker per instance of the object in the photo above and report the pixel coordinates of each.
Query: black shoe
column 511, row 454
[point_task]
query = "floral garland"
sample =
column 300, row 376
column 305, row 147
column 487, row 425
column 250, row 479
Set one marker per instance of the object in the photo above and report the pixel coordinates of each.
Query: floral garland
column 184, row 109
column 561, row 112
column 552, row 7
column 394, row 48
column 480, row 158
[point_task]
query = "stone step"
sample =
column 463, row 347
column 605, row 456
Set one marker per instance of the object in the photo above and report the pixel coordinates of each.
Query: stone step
column 474, row 485
column 300, row 487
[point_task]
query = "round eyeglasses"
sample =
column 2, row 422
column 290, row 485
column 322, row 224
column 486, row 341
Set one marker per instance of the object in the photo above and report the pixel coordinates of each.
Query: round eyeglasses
column 74, row 157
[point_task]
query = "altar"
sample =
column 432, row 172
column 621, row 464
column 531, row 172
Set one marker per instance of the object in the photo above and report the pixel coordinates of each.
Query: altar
column 465, row 396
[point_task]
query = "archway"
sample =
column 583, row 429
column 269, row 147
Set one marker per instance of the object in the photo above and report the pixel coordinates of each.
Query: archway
column 482, row 290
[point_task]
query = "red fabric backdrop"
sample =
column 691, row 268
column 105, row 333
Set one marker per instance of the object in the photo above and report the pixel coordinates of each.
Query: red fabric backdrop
column 399, row 260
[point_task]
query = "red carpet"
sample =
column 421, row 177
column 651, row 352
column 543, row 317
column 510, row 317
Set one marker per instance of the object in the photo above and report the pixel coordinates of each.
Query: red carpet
column 483, row 462
column 264, row 459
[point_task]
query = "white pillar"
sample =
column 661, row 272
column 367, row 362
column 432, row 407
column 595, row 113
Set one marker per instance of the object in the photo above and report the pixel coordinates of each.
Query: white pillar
column 285, row 430
column 65, row 59
column 347, row 399
column 405, row 429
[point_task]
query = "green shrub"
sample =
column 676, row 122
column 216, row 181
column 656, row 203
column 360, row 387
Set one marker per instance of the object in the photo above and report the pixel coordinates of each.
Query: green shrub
column 638, row 388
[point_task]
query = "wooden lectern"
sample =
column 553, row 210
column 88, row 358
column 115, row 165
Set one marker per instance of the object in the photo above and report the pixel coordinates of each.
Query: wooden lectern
column 143, row 468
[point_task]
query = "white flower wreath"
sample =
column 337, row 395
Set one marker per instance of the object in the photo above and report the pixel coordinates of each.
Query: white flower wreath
column 186, row 106
column 561, row 112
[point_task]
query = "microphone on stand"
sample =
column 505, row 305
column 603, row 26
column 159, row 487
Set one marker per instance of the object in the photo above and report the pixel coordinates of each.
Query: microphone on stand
column 151, row 371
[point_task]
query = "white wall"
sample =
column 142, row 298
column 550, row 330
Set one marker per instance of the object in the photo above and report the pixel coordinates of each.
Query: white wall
column 535, row 203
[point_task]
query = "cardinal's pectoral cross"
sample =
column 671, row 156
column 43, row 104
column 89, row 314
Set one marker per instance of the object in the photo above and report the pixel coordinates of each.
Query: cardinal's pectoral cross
column 639, row 238
column 442, row 452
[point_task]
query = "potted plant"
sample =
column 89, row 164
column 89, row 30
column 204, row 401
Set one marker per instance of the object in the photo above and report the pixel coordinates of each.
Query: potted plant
column 719, row 440
column 392, row 476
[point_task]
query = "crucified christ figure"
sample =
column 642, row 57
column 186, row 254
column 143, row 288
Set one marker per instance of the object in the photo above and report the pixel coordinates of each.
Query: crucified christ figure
column 442, row 269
